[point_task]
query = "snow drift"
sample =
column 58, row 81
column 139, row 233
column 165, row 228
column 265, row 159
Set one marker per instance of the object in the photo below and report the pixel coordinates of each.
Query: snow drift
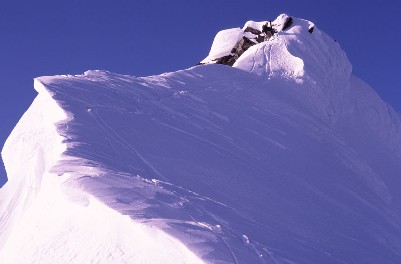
column 286, row 157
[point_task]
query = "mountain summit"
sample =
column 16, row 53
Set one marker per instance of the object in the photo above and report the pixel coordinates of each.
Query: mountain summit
column 270, row 151
column 296, row 51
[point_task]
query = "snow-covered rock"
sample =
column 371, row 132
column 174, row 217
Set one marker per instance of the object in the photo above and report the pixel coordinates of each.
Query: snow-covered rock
column 286, row 157
column 223, row 43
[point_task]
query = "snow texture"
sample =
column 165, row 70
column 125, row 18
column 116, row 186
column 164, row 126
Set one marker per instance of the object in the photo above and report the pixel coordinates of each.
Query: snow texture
column 284, row 158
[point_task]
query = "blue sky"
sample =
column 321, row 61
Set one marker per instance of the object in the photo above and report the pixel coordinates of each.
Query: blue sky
column 145, row 37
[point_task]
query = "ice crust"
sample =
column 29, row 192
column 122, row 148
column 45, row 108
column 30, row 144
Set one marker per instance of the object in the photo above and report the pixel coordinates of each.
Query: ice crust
column 284, row 158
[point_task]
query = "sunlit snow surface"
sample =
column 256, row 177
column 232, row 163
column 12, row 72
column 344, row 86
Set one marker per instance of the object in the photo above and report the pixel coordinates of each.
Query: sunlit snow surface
column 284, row 158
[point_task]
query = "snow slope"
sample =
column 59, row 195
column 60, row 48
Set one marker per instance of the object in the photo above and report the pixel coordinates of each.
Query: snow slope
column 284, row 158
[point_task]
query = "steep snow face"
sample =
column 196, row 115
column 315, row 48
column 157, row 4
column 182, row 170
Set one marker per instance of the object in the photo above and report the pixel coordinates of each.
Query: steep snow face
column 287, row 160
column 45, row 220
column 30, row 151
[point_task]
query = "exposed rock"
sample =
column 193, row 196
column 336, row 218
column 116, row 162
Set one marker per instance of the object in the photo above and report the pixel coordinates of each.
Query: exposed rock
column 253, row 31
column 244, row 44
column 260, row 38
column 227, row 60
column 268, row 28
column 310, row 30
column 268, row 35
column 251, row 36
column 287, row 23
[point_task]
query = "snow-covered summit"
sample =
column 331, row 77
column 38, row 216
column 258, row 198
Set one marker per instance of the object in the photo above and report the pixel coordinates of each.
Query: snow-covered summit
column 286, row 157
column 296, row 51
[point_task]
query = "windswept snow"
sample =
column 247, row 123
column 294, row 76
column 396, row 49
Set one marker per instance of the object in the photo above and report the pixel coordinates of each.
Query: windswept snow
column 60, row 224
column 284, row 158
column 56, row 230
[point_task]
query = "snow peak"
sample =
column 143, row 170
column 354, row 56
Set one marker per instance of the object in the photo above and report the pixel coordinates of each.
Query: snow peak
column 251, row 37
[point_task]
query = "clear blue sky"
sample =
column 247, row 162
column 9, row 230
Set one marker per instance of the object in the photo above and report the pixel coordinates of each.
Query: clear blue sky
column 145, row 37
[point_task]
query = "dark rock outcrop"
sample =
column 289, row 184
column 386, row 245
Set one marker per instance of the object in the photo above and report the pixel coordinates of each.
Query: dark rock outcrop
column 227, row 60
column 245, row 42
column 259, row 38
column 287, row 23
column 253, row 31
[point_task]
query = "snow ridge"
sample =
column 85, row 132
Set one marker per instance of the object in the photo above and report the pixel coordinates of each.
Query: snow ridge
column 285, row 157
